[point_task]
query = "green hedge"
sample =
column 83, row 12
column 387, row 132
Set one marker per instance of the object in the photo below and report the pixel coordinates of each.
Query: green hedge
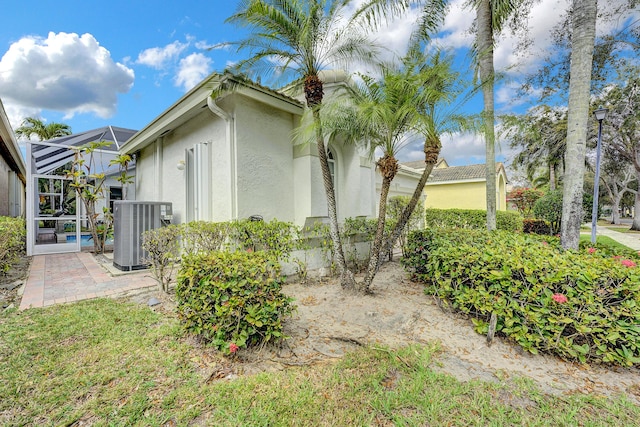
column 232, row 299
column 13, row 235
column 580, row 305
column 471, row 218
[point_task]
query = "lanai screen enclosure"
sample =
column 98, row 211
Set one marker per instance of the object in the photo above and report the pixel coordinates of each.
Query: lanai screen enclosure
column 55, row 216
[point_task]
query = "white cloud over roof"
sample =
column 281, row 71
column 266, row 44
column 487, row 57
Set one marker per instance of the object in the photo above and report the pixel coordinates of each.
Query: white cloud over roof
column 157, row 57
column 192, row 70
column 64, row 72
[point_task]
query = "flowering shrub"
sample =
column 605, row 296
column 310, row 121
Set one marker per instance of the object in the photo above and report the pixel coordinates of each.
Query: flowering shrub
column 579, row 306
column 232, row 299
column 524, row 199
column 536, row 226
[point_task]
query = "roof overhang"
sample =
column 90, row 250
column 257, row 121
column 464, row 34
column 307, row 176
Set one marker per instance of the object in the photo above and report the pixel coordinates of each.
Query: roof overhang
column 194, row 101
column 9, row 146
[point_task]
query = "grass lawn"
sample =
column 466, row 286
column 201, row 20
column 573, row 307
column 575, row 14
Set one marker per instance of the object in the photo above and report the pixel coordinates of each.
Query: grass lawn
column 605, row 241
column 111, row 363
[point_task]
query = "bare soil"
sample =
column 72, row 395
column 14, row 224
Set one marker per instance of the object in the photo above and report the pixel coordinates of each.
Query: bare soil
column 330, row 322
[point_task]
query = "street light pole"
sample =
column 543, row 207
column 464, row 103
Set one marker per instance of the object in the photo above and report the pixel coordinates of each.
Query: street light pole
column 600, row 115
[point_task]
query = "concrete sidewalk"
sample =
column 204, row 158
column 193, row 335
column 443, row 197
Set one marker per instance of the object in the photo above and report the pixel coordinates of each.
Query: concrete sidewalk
column 628, row 239
column 62, row 278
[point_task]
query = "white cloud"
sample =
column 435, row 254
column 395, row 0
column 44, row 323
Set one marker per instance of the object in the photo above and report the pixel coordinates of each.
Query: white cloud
column 64, row 72
column 456, row 31
column 193, row 69
column 158, row 57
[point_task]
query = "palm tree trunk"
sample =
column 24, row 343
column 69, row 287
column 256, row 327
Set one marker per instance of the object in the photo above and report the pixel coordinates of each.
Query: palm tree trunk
column 347, row 280
column 582, row 42
column 431, row 152
column 485, row 66
column 374, row 255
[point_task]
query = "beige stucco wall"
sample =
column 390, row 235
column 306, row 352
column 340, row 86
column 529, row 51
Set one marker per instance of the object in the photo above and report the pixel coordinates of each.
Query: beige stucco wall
column 265, row 161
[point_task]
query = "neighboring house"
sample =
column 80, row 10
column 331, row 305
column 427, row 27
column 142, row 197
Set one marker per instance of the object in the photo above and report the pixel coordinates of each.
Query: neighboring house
column 12, row 171
column 403, row 184
column 237, row 156
column 462, row 187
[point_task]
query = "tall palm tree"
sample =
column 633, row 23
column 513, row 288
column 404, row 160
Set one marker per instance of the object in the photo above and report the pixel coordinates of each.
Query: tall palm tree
column 33, row 126
column 491, row 17
column 299, row 38
column 582, row 42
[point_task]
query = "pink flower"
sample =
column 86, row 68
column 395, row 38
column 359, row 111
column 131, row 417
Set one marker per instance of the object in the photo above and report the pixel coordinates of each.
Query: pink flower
column 233, row 348
column 628, row 263
column 559, row 298
column 545, row 243
column 617, row 257
column 591, row 250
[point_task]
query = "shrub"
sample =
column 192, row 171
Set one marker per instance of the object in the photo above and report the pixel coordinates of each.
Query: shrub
column 580, row 306
column 524, row 199
column 471, row 218
column 275, row 237
column 232, row 299
column 12, row 241
column 536, row 226
column 549, row 208
column 204, row 236
column 163, row 247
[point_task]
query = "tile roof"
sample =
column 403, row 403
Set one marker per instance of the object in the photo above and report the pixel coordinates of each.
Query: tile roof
column 460, row 173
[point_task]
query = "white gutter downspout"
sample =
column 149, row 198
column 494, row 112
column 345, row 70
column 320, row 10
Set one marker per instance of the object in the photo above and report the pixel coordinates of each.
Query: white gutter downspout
column 158, row 169
column 228, row 118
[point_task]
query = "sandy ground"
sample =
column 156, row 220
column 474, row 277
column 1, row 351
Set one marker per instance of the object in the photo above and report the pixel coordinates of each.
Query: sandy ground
column 330, row 322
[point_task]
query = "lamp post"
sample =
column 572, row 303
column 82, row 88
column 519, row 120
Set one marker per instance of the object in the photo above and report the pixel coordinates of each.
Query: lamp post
column 600, row 115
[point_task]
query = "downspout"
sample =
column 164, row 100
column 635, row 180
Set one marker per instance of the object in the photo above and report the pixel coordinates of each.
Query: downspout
column 158, row 169
column 231, row 143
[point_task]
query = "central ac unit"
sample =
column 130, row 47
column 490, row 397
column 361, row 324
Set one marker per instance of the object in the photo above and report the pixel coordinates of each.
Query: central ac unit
column 131, row 218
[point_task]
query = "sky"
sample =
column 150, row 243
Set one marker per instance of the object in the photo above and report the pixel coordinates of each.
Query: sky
column 124, row 62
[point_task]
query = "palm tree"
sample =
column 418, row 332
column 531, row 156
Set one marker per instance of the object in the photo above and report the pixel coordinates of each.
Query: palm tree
column 300, row 38
column 582, row 42
column 540, row 134
column 387, row 113
column 491, row 17
column 33, row 126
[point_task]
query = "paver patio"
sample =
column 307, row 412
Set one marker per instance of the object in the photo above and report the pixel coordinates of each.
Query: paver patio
column 63, row 278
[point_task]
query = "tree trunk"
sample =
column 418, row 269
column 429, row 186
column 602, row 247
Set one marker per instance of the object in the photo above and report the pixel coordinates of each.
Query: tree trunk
column 485, row 67
column 552, row 177
column 388, row 166
column 347, row 279
column 582, row 44
column 431, row 152
column 635, row 225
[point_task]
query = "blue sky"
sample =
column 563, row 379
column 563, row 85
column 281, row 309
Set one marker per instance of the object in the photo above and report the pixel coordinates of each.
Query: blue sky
column 122, row 63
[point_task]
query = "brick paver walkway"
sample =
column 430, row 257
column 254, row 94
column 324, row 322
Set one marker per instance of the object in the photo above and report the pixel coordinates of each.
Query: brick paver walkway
column 62, row 278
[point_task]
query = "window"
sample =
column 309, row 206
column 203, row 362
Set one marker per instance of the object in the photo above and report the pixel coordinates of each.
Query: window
column 331, row 159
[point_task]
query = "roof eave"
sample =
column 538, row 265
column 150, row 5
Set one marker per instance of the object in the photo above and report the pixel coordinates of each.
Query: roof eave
column 196, row 99
column 9, row 140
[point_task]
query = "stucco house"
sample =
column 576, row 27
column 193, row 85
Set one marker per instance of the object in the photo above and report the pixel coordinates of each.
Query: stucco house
column 12, row 171
column 237, row 156
column 461, row 187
